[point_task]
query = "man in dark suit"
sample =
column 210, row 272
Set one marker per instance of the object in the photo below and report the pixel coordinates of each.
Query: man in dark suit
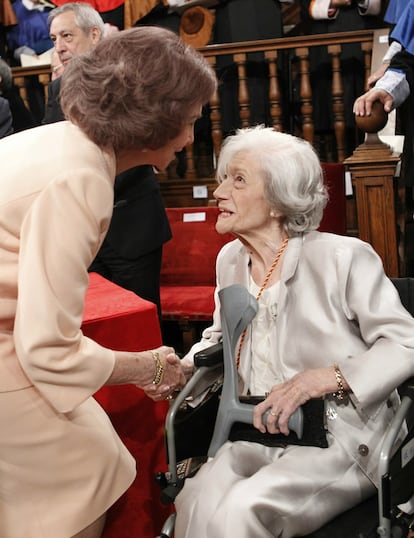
column 22, row 117
column 6, row 122
column 131, row 253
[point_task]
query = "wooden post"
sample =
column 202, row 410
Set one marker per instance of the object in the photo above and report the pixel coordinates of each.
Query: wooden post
column 372, row 168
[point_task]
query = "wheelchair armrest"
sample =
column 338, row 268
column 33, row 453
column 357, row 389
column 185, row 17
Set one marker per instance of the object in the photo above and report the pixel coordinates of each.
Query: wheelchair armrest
column 209, row 357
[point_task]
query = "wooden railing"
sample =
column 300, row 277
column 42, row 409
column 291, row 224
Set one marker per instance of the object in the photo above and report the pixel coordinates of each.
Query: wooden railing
column 179, row 191
column 295, row 52
column 22, row 76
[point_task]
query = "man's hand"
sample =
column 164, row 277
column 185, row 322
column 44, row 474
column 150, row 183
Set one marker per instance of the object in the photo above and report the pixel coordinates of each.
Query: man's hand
column 363, row 105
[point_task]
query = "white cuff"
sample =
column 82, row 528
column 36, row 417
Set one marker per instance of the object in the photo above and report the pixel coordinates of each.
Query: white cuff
column 319, row 9
column 395, row 83
column 392, row 51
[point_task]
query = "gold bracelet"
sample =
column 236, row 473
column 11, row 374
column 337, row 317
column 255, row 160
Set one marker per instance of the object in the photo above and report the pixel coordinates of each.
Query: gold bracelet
column 340, row 394
column 159, row 368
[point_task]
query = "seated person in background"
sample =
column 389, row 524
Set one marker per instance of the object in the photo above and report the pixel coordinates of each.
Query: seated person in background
column 31, row 34
column 330, row 324
column 6, row 120
column 21, row 116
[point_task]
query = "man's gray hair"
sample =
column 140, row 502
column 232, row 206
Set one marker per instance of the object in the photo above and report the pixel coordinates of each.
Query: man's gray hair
column 86, row 16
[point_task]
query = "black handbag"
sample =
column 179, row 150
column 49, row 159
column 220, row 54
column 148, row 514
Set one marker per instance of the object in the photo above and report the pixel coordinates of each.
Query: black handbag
column 314, row 427
column 194, row 427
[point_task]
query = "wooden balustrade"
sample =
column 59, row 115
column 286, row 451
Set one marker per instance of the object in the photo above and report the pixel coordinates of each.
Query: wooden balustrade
column 283, row 56
column 277, row 53
column 22, row 76
column 280, row 55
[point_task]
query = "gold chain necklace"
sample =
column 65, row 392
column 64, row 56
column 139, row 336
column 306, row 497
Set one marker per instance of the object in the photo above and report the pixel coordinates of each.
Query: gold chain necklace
column 265, row 281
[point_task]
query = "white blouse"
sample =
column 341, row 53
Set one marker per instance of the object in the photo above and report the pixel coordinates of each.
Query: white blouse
column 264, row 373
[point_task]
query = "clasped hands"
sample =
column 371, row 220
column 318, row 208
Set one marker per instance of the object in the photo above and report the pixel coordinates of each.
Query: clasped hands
column 173, row 377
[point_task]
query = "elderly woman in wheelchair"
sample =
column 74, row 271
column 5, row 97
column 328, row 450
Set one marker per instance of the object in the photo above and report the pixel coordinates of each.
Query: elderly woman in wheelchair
column 330, row 325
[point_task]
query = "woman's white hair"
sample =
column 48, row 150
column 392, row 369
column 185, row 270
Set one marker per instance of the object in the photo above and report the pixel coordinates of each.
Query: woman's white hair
column 292, row 174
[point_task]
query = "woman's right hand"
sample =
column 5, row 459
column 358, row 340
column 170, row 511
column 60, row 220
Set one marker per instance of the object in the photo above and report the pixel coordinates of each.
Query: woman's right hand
column 173, row 377
column 140, row 369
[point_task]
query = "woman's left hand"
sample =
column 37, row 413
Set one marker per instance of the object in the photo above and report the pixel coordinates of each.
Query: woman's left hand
column 285, row 398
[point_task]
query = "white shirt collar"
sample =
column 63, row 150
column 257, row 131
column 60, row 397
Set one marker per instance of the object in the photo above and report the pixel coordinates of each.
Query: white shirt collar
column 31, row 6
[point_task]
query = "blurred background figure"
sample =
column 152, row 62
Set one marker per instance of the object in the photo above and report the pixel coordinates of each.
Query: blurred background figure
column 392, row 15
column 325, row 17
column 246, row 20
column 6, row 121
column 31, row 34
column 21, row 116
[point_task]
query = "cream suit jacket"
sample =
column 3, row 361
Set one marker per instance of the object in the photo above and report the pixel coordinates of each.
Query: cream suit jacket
column 54, row 214
column 62, row 465
column 335, row 306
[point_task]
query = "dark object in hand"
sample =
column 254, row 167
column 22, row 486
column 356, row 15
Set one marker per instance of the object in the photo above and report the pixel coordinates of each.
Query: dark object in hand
column 375, row 121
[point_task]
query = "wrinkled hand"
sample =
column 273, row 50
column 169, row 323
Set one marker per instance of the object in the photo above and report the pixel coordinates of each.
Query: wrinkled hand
column 173, row 378
column 285, row 398
column 363, row 105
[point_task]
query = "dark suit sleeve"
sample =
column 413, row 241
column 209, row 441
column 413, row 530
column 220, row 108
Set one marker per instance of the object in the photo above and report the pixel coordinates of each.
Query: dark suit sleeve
column 6, row 120
column 404, row 61
column 139, row 223
column 53, row 112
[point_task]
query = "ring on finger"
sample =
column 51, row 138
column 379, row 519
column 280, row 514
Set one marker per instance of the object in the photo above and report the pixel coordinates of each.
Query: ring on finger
column 274, row 414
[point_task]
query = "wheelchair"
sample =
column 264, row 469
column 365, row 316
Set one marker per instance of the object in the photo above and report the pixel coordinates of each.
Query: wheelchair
column 215, row 369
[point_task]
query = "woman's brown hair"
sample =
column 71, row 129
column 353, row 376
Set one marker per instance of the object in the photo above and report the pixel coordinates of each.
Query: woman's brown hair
column 136, row 88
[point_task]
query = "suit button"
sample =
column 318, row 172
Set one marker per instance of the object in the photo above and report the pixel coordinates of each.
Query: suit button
column 363, row 450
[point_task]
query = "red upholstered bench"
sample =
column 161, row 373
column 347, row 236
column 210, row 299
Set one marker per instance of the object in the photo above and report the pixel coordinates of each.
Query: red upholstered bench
column 188, row 273
column 189, row 259
column 334, row 216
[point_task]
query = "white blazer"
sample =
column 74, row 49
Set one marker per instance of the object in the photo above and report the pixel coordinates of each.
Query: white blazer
column 335, row 306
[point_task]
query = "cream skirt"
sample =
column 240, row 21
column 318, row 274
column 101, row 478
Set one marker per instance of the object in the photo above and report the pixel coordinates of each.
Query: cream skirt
column 58, row 472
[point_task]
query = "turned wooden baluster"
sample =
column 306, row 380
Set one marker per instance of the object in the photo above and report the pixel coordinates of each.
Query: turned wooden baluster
column 44, row 81
column 337, row 100
column 367, row 51
column 274, row 92
column 240, row 61
column 305, row 94
column 21, row 84
column 190, row 172
column 215, row 117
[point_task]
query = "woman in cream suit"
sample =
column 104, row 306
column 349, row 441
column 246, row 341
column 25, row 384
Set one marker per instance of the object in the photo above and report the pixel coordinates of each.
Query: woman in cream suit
column 330, row 324
column 132, row 100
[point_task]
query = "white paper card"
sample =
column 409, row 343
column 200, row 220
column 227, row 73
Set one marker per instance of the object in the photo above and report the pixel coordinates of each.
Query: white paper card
column 348, row 184
column 28, row 60
column 194, row 217
column 200, row 191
